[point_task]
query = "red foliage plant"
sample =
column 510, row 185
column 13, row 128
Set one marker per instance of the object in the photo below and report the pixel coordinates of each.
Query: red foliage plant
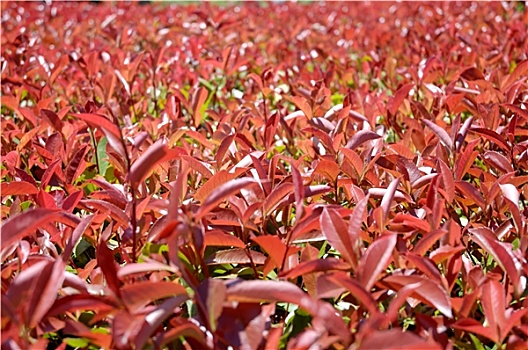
column 260, row 176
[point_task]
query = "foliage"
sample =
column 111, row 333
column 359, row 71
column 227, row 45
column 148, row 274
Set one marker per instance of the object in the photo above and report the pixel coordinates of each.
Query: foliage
column 284, row 176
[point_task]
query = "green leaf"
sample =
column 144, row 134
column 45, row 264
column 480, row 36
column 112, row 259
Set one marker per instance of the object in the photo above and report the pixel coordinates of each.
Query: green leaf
column 476, row 342
column 77, row 343
column 102, row 156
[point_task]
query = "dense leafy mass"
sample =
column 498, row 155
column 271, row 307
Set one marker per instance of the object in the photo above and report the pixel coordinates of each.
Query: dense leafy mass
column 260, row 176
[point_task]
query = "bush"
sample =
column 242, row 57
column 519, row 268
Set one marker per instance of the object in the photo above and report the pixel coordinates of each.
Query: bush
column 264, row 176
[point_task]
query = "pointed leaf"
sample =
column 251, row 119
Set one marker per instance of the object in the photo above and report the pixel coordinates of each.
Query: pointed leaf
column 303, row 105
column 17, row 188
column 356, row 289
column 318, row 265
column 428, row 291
column 23, row 224
column 157, row 153
column 501, row 253
column 335, row 230
column 107, row 263
column 439, row 132
column 75, row 237
column 278, row 194
column 396, row 338
column 235, row 256
column 258, row 291
column 221, row 193
column 376, row 259
column 198, row 99
column 155, row 318
column 386, row 201
column 494, row 304
column 361, row 137
column 137, row 295
column 220, row 239
column 399, row 96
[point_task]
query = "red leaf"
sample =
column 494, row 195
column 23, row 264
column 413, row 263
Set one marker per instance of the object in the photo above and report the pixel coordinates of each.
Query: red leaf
column 263, row 176
column 21, row 225
column 116, row 213
column 198, row 166
column 473, row 326
column 396, row 338
column 501, row 253
column 46, row 200
column 46, row 177
column 511, row 195
column 155, row 318
column 492, row 136
column 465, row 161
column 494, row 304
column 17, row 188
column 214, row 182
column 472, row 73
column 235, row 256
column 399, row 96
column 522, row 112
column 356, row 289
column 335, row 230
column 274, row 246
column 45, row 277
column 220, row 239
column 439, row 132
column 520, row 70
column 354, row 226
column 412, row 221
column 301, row 103
column 212, row 292
column 223, row 148
column 221, row 193
column 376, row 192
column 386, row 201
column 198, row 99
column 138, row 295
column 499, row 161
column 52, row 117
column 258, row 291
column 427, row 241
column 361, row 137
column 426, row 266
column 71, row 201
column 278, row 194
column 76, row 302
column 107, row 263
column 143, row 268
column 447, row 180
column 428, row 291
column 99, row 121
column 376, row 259
column 76, row 236
column 183, row 329
column 470, row 191
column 155, row 154
column 461, row 136
column 73, row 169
column 318, row 265
column 327, row 168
